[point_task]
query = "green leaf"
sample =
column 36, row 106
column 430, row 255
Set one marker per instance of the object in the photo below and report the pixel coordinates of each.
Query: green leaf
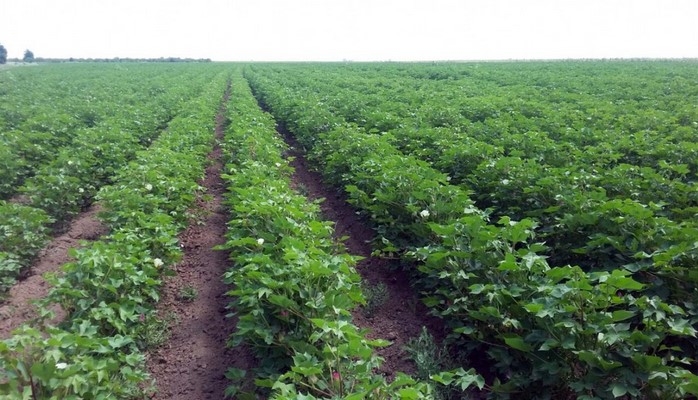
column 119, row 341
column 465, row 330
column 689, row 385
column 587, row 356
column 646, row 362
column 681, row 326
column 282, row 301
column 469, row 378
column 517, row 342
column 533, row 307
column 235, row 374
column 408, row 393
column 43, row 371
column 619, row 280
column 444, row 378
column 549, row 344
column 621, row 315
column 477, row 289
column 509, row 263
column 618, row 389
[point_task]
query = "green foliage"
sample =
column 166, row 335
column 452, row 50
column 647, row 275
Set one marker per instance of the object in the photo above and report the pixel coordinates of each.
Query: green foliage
column 575, row 332
column 293, row 284
column 153, row 330
column 3, row 54
column 595, row 160
column 376, row 295
column 430, row 360
column 10, row 268
column 596, row 166
column 426, row 355
column 23, row 233
column 67, row 365
column 56, row 193
column 12, row 168
column 96, row 121
column 187, row 294
column 110, row 288
column 60, row 149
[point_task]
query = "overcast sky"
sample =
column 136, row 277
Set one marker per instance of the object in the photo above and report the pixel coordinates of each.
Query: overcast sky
column 326, row 30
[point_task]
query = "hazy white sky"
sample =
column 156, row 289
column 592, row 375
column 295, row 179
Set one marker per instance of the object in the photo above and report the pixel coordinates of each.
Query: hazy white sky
column 351, row 29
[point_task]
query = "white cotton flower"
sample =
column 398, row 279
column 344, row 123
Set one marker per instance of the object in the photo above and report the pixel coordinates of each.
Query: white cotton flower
column 277, row 165
column 505, row 181
column 81, row 190
column 61, row 365
column 158, row 263
column 148, row 187
column 260, row 241
column 70, row 162
column 424, row 213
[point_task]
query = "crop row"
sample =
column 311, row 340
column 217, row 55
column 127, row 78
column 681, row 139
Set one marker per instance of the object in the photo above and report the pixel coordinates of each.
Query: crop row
column 293, row 282
column 47, row 112
column 590, row 213
column 600, row 202
column 598, row 334
column 109, row 291
column 69, row 180
column 560, row 108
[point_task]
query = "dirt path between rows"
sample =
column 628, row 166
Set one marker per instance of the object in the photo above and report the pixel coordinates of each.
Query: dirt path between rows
column 192, row 363
column 19, row 307
column 402, row 316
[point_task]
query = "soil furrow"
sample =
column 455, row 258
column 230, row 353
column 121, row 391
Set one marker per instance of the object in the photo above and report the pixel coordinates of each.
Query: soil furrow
column 402, row 315
column 19, row 306
column 193, row 361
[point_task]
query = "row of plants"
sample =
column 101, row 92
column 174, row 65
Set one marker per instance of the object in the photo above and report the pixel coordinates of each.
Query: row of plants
column 110, row 290
column 544, row 331
column 522, row 168
column 571, row 107
column 294, row 284
column 590, row 213
column 50, row 110
column 67, row 184
column 24, row 232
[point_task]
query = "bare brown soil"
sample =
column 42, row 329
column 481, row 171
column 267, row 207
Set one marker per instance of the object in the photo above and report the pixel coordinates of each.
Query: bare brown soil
column 192, row 363
column 19, row 307
column 402, row 316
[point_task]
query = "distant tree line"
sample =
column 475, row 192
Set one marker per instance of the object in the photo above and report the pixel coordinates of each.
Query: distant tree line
column 119, row 59
column 29, row 57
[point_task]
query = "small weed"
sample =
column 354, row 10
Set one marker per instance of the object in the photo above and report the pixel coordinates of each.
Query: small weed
column 198, row 215
column 187, row 294
column 302, row 189
column 376, row 295
column 154, row 331
column 412, row 304
column 429, row 360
